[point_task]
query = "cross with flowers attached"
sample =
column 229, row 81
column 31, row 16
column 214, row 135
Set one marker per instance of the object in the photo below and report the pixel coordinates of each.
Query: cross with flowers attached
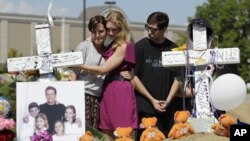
column 200, row 57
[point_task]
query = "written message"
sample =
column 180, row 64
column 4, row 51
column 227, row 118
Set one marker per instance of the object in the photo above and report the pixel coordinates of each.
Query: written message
column 42, row 62
column 219, row 56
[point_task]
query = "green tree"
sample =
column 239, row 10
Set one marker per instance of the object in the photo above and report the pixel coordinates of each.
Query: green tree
column 182, row 39
column 230, row 20
column 8, row 89
column 14, row 53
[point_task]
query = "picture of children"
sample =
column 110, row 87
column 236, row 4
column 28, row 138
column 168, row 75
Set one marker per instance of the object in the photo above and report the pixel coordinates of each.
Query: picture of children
column 72, row 124
column 28, row 125
column 41, row 106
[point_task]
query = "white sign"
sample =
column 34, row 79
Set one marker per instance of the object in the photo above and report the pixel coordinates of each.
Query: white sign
column 196, row 58
column 43, row 39
column 38, row 62
column 202, row 95
column 199, row 37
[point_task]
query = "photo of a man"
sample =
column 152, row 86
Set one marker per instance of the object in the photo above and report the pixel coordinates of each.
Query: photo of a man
column 50, row 106
column 55, row 101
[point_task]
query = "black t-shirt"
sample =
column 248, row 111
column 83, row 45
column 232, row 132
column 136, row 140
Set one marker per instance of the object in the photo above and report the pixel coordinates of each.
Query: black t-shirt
column 53, row 112
column 156, row 78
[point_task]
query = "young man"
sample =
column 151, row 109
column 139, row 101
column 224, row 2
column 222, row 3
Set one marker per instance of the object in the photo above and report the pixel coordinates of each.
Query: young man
column 159, row 81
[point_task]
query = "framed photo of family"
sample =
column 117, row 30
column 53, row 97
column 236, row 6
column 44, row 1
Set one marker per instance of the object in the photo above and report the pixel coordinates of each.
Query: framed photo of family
column 54, row 109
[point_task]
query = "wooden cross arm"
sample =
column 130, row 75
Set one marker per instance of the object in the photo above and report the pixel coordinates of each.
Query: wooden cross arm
column 67, row 59
column 38, row 62
column 24, row 63
column 196, row 58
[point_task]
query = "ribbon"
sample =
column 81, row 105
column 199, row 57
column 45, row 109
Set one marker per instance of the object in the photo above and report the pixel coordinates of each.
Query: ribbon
column 51, row 23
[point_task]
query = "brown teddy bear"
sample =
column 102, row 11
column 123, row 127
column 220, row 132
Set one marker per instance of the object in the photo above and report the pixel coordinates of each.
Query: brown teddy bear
column 181, row 127
column 87, row 137
column 151, row 133
column 123, row 134
column 223, row 127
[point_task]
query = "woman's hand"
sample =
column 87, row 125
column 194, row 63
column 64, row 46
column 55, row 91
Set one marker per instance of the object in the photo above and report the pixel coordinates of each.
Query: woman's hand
column 80, row 67
column 78, row 122
column 127, row 75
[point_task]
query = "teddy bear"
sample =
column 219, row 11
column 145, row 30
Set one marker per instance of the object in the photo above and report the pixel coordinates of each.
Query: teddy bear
column 181, row 127
column 151, row 132
column 223, row 127
column 88, row 136
column 123, row 134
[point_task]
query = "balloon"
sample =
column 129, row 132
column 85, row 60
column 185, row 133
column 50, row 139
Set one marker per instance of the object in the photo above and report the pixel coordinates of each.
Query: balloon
column 227, row 92
column 4, row 107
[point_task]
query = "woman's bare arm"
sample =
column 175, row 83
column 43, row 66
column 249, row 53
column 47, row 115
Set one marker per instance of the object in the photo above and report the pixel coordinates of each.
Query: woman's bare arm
column 114, row 61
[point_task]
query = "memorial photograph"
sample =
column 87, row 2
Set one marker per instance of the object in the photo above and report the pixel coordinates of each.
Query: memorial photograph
column 54, row 109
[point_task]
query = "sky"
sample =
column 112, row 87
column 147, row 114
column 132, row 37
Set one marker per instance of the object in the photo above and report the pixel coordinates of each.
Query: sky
column 136, row 10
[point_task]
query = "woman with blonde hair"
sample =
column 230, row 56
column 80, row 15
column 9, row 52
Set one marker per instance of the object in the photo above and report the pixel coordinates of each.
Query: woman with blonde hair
column 118, row 104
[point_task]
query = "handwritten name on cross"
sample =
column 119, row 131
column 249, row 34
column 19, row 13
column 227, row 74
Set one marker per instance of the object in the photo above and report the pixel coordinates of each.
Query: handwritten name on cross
column 199, row 56
column 45, row 61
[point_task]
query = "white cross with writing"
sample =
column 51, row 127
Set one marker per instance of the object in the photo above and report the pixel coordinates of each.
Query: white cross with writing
column 45, row 61
column 198, row 57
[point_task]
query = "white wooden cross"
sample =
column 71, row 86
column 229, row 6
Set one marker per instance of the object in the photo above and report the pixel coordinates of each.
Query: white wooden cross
column 45, row 61
column 200, row 57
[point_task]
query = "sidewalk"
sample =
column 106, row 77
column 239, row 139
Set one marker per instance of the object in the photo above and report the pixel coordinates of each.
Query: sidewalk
column 247, row 99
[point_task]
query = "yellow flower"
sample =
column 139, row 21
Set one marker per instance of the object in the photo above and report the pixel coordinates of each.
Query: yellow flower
column 1, row 108
column 180, row 48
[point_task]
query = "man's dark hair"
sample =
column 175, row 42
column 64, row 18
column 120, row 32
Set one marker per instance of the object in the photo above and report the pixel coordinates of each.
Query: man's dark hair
column 33, row 105
column 159, row 18
column 50, row 88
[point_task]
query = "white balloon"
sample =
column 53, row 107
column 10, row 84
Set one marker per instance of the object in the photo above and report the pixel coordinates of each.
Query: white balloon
column 228, row 91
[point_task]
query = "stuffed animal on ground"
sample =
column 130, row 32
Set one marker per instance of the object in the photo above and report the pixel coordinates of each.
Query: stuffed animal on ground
column 123, row 134
column 88, row 136
column 181, row 128
column 151, row 132
column 223, row 127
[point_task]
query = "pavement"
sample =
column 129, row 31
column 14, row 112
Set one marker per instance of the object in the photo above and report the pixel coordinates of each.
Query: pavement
column 247, row 97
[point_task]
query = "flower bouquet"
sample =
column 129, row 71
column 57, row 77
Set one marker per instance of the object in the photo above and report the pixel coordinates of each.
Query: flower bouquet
column 42, row 136
column 6, row 127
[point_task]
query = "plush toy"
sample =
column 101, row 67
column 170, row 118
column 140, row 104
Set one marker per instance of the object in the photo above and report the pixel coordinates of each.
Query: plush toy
column 181, row 127
column 87, row 137
column 223, row 127
column 151, row 133
column 123, row 134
